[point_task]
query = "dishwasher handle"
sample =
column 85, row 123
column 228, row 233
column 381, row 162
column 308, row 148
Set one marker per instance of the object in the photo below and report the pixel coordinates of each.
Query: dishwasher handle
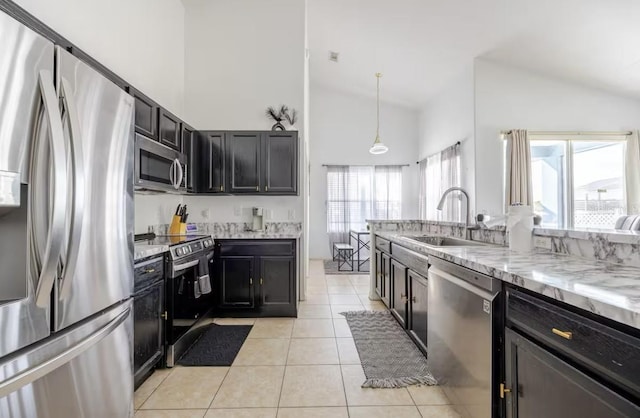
column 472, row 277
column 436, row 273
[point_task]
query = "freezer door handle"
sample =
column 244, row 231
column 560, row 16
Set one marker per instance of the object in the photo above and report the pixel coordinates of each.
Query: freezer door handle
column 58, row 196
column 77, row 193
column 34, row 373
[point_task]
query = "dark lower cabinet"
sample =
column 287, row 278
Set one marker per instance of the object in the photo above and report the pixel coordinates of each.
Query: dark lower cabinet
column 148, row 339
column 256, row 277
column 212, row 162
column 539, row 384
column 418, row 293
column 277, row 289
column 243, row 161
column 280, row 162
column 386, row 280
column 237, row 283
column 379, row 273
column 399, row 294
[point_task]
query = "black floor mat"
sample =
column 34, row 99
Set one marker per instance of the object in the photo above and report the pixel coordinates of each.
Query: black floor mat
column 217, row 346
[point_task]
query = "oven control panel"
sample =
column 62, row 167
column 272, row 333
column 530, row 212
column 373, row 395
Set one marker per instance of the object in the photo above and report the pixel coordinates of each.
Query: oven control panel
column 180, row 251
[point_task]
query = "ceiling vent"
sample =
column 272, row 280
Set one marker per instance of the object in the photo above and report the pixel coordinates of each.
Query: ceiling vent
column 333, row 56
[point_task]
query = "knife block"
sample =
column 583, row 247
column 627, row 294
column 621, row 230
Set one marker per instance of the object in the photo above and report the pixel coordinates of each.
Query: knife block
column 177, row 227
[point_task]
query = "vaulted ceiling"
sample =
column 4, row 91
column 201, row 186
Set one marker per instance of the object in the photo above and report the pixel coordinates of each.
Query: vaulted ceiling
column 421, row 45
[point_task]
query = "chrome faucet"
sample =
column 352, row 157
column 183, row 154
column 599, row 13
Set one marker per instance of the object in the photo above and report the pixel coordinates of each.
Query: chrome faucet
column 467, row 224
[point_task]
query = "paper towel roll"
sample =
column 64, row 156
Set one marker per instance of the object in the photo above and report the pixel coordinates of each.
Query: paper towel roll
column 520, row 227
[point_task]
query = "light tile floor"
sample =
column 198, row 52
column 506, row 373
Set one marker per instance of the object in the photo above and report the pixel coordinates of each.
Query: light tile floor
column 291, row 368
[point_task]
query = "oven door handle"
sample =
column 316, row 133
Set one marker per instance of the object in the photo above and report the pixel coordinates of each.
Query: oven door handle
column 189, row 264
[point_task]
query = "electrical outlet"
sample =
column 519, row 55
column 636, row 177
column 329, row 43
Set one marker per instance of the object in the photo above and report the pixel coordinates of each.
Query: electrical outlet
column 206, row 213
column 542, row 242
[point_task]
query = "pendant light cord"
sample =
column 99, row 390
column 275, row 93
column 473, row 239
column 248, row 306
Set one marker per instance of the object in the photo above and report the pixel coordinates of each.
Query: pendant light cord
column 378, row 75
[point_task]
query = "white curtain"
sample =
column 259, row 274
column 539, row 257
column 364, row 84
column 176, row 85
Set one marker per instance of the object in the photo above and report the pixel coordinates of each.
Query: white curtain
column 632, row 174
column 518, row 170
column 387, row 188
column 358, row 193
column 450, row 172
column 422, row 190
column 439, row 172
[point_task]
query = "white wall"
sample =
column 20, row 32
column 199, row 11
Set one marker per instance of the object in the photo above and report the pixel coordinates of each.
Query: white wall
column 507, row 97
column 142, row 41
column 241, row 57
column 342, row 129
column 447, row 118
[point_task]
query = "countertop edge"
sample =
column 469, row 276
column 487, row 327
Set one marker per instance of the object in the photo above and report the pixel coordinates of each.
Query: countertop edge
column 629, row 316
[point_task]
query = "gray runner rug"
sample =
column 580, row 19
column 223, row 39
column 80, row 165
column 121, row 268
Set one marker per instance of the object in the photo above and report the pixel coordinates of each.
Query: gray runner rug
column 390, row 358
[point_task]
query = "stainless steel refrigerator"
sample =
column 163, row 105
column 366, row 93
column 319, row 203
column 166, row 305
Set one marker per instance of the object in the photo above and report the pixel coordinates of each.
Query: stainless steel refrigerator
column 66, row 234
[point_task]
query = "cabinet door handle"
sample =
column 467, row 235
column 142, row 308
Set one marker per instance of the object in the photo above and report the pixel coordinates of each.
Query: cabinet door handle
column 222, row 188
column 503, row 390
column 250, row 282
column 257, row 188
column 260, row 281
column 164, row 315
column 564, row 334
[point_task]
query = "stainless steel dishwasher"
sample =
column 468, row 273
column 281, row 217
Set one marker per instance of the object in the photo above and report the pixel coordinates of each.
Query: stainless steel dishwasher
column 464, row 323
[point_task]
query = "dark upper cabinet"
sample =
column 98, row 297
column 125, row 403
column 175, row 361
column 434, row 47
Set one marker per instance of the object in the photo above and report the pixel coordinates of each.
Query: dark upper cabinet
column 243, row 161
column 248, row 162
column 169, row 131
column 399, row 295
column 212, row 173
column 280, row 162
column 145, row 114
column 190, row 149
column 236, row 281
column 417, row 317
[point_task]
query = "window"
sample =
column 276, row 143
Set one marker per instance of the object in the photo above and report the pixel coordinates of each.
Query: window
column 439, row 172
column 578, row 183
column 357, row 193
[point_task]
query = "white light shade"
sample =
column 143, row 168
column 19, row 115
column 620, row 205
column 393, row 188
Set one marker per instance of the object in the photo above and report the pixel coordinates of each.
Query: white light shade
column 378, row 148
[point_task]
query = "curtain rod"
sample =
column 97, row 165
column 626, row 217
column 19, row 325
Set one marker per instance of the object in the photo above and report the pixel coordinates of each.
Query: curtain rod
column 365, row 165
column 454, row 145
column 577, row 133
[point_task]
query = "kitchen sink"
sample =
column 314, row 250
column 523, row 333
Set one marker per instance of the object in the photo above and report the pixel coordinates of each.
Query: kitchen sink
column 439, row 241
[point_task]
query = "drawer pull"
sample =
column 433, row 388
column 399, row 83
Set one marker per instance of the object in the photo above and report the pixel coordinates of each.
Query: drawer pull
column 150, row 270
column 564, row 334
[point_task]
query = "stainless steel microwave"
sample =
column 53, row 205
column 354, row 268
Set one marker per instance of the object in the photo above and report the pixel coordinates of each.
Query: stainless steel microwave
column 159, row 168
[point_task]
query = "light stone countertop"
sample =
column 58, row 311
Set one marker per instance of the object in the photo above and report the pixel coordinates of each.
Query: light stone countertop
column 606, row 289
column 142, row 250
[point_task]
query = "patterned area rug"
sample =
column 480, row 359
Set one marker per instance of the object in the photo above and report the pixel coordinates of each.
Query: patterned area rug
column 331, row 267
column 389, row 357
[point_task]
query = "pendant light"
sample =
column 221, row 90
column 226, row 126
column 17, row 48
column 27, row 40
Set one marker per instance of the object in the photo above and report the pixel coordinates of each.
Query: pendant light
column 378, row 147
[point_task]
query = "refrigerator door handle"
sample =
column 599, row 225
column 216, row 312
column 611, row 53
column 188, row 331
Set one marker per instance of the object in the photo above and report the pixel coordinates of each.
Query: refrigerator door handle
column 77, row 193
column 58, row 196
column 32, row 374
column 180, row 173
